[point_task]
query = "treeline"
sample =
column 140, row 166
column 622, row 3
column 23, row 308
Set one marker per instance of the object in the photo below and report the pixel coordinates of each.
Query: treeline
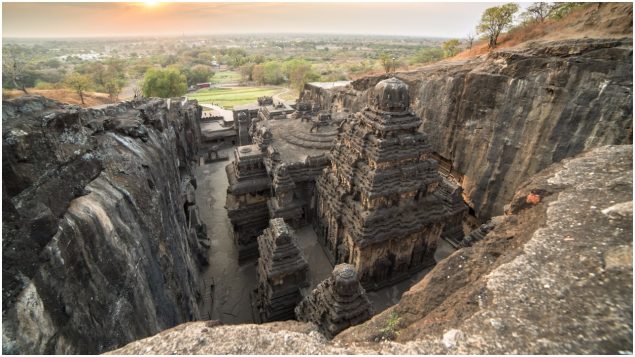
column 295, row 72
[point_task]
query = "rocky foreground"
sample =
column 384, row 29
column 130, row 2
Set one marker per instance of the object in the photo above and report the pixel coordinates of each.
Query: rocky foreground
column 95, row 241
column 554, row 276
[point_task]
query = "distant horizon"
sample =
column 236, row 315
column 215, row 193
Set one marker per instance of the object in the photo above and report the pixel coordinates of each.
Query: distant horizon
column 175, row 35
column 42, row 21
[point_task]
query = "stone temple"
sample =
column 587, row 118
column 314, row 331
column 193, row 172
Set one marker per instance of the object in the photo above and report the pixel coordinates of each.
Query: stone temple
column 368, row 185
column 377, row 203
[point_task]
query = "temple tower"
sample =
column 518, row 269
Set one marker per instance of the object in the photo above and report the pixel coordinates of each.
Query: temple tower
column 282, row 271
column 337, row 303
column 375, row 203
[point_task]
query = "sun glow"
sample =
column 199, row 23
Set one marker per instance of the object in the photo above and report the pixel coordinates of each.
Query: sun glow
column 151, row 2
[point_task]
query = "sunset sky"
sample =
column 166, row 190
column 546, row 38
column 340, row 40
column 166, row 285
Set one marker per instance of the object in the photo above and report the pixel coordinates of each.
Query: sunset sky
column 131, row 19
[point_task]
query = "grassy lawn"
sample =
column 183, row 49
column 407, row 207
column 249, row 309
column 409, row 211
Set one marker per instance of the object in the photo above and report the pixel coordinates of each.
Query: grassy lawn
column 226, row 77
column 229, row 97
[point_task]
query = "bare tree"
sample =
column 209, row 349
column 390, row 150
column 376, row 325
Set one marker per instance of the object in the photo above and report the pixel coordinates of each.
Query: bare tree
column 469, row 39
column 14, row 64
column 138, row 93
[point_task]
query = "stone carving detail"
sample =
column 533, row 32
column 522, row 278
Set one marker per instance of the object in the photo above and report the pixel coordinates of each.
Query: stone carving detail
column 377, row 203
column 282, row 271
column 336, row 303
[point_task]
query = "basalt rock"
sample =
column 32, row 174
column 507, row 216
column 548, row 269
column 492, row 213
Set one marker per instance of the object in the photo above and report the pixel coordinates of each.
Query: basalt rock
column 499, row 118
column 96, row 247
column 336, row 303
column 282, row 272
column 554, row 277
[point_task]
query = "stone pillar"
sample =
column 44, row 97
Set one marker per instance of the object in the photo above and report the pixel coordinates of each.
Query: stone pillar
column 282, row 271
column 243, row 129
column 336, row 303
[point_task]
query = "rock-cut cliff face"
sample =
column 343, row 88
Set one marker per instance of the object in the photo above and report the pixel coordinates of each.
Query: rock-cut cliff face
column 96, row 250
column 502, row 117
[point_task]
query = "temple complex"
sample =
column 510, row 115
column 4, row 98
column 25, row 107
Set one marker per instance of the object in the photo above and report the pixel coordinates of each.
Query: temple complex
column 337, row 303
column 274, row 177
column 367, row 183
column 379, row 205
column 282, row 272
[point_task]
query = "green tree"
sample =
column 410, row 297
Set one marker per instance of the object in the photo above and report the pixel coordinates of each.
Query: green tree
column 537, row 12
column 387, row 62
column 258, row 73
column 451, row 47
column 273, row 73
column 164, row 83
column 560, row 9
column 299, row 72
column 80, row 83
column 199, row 74
column 496, row 19
column 246, row 71
column 113, row 88
column 429, row 54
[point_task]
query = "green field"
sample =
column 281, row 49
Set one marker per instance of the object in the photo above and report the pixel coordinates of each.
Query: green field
column 226, row 77
column 229, row 97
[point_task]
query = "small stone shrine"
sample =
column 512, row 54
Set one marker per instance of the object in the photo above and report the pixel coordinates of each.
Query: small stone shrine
column 282, row 272
column 337, row 303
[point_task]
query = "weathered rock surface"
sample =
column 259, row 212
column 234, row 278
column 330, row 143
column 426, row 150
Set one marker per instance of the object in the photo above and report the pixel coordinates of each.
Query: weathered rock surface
column 504, row 116
column 96, row 249
column 553, row 277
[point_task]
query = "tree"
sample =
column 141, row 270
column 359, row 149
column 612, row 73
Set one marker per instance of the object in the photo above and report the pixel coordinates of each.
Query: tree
column 246, row 72
column 299, row 72
column 258, row 73
column 273, row 73
column 496, row 19
column 80, row 83
column 429, row 54
column 14, row 65
column 560, row 9
column 199, row 74
column 113, row 88
column 469, row 39
column 538, row 12
column 451, row 47
column 387, row 62
column 164, row 83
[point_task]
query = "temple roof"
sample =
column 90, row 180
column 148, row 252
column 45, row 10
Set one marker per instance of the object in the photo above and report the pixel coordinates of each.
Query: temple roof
column 391, row 95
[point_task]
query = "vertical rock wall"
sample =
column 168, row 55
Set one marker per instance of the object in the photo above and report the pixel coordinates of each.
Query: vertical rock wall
column 96, row 250
column 503, row 117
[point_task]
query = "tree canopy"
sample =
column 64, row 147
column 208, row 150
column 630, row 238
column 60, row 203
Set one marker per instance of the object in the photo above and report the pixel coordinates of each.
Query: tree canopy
column 451, row 47
column 80, row 83
column 164, row 83
column 496, row 19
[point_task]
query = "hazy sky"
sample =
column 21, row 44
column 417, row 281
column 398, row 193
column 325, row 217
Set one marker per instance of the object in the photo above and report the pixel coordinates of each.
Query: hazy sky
column 129, row 19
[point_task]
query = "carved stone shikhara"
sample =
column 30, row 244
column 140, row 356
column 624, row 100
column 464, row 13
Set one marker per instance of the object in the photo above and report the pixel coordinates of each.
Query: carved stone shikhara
column 336, row 303
column 247, row 198
column 282, row 272
column 376, row 203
